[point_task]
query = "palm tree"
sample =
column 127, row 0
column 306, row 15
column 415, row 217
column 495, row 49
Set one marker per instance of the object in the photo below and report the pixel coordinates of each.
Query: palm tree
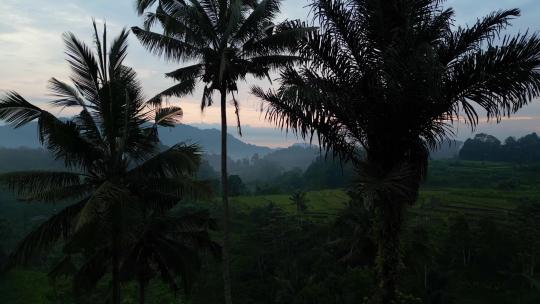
column 226, row 40
column 169, row 245
column 159, row 243
column 110, row 150
column 299, row 200
column 384, row 82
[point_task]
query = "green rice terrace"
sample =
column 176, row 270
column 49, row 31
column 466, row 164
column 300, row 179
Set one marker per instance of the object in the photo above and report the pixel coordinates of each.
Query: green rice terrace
column 470, row 188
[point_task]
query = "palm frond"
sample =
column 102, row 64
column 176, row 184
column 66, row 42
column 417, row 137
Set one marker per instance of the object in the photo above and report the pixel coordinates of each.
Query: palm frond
column 166, row 46
column 32, row 183
column 15, row 110
column 283, row 39
column 143, row 5
column 463, row 40
column 236, row 105
column 60, row 195
column 275, row 61
column 168, row 117
column 186, row 73
column 179, row 160
column 64, row 140
column 178, row 90
column 179, row 24
column 46, row 235
column 118, row 52
column 89, row 128
column 101, row 205
column 172, row 190
column 501, row 79
column 263, row 13
column 85, row 68
column 69, row 96
column 207, row 99
column 101, row 51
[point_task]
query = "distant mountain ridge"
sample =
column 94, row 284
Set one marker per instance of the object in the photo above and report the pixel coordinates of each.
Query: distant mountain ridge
column 208, row 139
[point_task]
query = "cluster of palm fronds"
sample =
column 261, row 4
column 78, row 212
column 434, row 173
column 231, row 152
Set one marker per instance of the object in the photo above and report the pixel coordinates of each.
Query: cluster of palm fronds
column 226, row 41
column 124, row 184
column 389, row 78
column 380, row 83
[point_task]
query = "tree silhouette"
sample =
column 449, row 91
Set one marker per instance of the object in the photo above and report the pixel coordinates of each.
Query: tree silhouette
column 227, row 40
column 389, row 78
column 157, row 244
column 299, row 200
column 110, row 150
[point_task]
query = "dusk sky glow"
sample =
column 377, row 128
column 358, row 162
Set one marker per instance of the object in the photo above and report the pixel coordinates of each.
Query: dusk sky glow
column 32, row 52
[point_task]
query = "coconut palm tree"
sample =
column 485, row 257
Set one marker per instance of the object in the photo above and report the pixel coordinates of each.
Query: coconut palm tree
column 225, row 41
column 110, row 150
column 169, row 246
column 159, row 243
column 389, row 78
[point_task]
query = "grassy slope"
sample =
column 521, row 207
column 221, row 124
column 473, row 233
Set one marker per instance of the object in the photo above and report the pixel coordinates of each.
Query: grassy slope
column 470, row 188
column 318, row 201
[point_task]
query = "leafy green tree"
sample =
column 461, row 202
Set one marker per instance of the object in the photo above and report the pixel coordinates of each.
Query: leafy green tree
column 300, row 201
column 389, row 77
column 483, row 147
column 110, row 151
column 158, row 244
column 236, row 185
column 228, row 40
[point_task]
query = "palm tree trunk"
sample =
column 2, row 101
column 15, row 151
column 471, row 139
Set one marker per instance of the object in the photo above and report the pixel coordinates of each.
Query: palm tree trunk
column 389, row 225
column 115, row 270
column 142, row 291
column 225, row 200
column 116, row 254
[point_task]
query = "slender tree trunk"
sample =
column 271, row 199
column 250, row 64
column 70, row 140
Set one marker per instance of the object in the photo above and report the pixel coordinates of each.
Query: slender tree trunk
column 116, row 254
column 142, row 291
column 425, row 277
column 115, row 269
column 225, row 200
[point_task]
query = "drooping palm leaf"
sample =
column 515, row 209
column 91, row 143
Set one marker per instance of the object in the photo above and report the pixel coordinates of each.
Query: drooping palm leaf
column 177, row 161
column 29, row 185
column 38, row 241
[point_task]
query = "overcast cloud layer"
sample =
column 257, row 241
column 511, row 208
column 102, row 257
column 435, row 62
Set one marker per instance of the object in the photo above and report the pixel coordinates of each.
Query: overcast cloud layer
column 31, row 52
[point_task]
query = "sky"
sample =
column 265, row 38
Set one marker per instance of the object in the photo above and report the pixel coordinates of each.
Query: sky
column 32, row 51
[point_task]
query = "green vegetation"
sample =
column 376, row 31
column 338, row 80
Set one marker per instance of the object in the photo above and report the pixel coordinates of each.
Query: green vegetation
column 378, row 83
column 331, row 251
column 486, row 147
column 226, row 41
column 120, row 185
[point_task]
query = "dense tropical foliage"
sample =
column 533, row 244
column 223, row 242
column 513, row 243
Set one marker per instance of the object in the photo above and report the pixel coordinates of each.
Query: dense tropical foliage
column 105, row 212
column 486, row 147
column 124, row 183
column 228, row 41
column 388, row 78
